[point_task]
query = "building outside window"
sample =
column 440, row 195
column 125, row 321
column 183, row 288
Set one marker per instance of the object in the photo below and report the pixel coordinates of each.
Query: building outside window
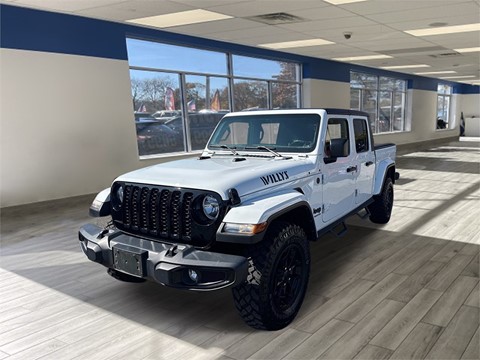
column 444, row 103
column 179, row 93
column 383, row 98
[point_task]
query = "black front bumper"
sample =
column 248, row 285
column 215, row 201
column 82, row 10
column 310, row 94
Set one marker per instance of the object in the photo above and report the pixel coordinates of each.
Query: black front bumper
column 167, row 264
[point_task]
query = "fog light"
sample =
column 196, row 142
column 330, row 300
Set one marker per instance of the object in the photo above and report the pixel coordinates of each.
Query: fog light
column 193, row 275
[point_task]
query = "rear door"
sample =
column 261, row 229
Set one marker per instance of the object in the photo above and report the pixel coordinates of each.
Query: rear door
column 337, row 175
column 364, row 161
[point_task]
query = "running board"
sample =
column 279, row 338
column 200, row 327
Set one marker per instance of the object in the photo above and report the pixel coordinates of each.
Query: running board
column 363, row 213
column 341, row 231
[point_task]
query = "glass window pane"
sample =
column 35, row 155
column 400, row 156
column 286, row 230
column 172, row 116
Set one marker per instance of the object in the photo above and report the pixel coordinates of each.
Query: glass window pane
column 337, row 138
column 361, row 80
column 152, row 93
column 387, row 83
column 284, row 96
column 369, row 105
column 444, row 89
column 250, row 94
column 385, row 112
column 355, row 99
column 399, row 111
column 244, row 66
column 207, row 102
column 290, row 133
column 155, row 55
column 361, row 135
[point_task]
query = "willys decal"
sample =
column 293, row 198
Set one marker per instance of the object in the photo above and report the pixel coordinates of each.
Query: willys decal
column 274, row 178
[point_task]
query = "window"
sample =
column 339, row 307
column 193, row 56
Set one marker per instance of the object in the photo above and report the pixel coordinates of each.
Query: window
column 179, row 93
column 383, row 98
column 278, row 132
column 337, row 142
column 361, row 135
column 444, row 102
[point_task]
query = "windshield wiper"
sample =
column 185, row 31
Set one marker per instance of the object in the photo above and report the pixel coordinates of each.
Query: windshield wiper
column 226, row 147
column 266, row 149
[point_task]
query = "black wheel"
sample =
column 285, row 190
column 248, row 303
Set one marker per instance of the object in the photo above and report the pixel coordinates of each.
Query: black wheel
column 381, row 208
column 279, row 268
column 124, row 277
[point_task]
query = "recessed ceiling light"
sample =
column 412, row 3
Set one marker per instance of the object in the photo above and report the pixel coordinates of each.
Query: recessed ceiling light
column 444, row 30
column 366, row 57
column 404, row 66
column 458, row 77
column 180, row 18
column 340, row 2
column 436, row 72
column 467, row 50
column 296, row 44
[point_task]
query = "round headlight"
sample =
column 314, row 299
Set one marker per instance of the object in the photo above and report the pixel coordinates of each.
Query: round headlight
column 211, row 207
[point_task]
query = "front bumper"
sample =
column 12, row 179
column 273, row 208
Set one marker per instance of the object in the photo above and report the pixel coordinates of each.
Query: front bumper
column 167, row 264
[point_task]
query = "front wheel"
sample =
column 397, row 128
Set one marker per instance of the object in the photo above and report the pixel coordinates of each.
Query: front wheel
column 278, row 273
column 381, row 208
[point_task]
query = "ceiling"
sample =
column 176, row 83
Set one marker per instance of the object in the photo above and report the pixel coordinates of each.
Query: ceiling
column 377, row 27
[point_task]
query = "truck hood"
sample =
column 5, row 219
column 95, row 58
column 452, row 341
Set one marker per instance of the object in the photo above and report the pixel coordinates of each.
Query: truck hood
column 221, row 173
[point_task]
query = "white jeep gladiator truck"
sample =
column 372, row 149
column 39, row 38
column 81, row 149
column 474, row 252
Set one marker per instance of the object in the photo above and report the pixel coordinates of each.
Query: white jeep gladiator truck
column 243, row 213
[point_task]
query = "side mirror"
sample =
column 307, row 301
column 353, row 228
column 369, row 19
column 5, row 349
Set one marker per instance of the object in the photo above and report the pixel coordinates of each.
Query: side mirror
column 329, row 160
column 338, row 148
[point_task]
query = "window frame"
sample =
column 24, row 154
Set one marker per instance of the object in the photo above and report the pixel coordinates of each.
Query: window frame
column 374, row 86
column 231, row 78
column 444, row 122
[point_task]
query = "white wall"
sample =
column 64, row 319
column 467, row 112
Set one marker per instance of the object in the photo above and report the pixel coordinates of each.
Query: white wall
column 325, row 93
column 66, row 125
column 470, row 105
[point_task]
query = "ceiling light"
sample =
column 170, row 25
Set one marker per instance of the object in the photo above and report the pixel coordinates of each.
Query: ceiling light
column 467, row 50
column 444, row 30
column 296, row 44
column 458, row 77
column 180, row 18
column 366, row 57
column 437, row 72
column 404, row 66
column 341, row 2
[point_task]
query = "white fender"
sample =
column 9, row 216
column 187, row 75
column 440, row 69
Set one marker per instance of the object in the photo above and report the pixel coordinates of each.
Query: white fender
column 259, row 210
column 381, row 173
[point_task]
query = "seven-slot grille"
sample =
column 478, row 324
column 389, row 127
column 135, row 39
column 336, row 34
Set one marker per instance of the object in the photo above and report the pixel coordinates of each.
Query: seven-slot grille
column 158, row 212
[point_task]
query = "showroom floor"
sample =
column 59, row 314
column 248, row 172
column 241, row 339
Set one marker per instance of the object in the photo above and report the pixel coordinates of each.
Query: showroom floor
column 407, row 290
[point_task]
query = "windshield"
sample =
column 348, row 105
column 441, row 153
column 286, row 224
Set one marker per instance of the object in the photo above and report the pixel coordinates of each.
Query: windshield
column 279, row 132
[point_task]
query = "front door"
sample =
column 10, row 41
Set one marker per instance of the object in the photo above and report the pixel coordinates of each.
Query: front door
column 338, row 174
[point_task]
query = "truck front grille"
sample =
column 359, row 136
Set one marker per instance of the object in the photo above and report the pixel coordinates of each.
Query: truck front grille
column 158, row 212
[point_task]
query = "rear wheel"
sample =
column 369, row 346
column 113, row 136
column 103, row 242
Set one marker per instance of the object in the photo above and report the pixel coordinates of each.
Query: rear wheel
column 381, row 208
column 278, row 273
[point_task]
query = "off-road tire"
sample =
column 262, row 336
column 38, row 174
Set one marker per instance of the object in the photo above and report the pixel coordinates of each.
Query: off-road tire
column 381, row 208
column 124, row 277
column 278, row 273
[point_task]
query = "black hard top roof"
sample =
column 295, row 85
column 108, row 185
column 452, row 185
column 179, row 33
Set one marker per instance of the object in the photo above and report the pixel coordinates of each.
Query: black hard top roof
column 332, row 111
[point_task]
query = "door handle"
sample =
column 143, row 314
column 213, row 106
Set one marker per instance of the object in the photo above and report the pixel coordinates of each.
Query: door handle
column 368, row 163
column 351, row 169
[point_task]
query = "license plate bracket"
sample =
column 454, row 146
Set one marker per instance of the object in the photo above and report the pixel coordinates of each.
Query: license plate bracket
column 129, row 260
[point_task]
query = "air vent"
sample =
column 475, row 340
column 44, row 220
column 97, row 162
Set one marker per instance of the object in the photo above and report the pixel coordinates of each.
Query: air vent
column 276, row 18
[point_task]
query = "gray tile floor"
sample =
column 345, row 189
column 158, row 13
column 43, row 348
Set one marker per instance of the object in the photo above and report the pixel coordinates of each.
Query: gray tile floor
column 407, row 290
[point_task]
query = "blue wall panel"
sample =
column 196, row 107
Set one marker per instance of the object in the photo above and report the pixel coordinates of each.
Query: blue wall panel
column 28, row 29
